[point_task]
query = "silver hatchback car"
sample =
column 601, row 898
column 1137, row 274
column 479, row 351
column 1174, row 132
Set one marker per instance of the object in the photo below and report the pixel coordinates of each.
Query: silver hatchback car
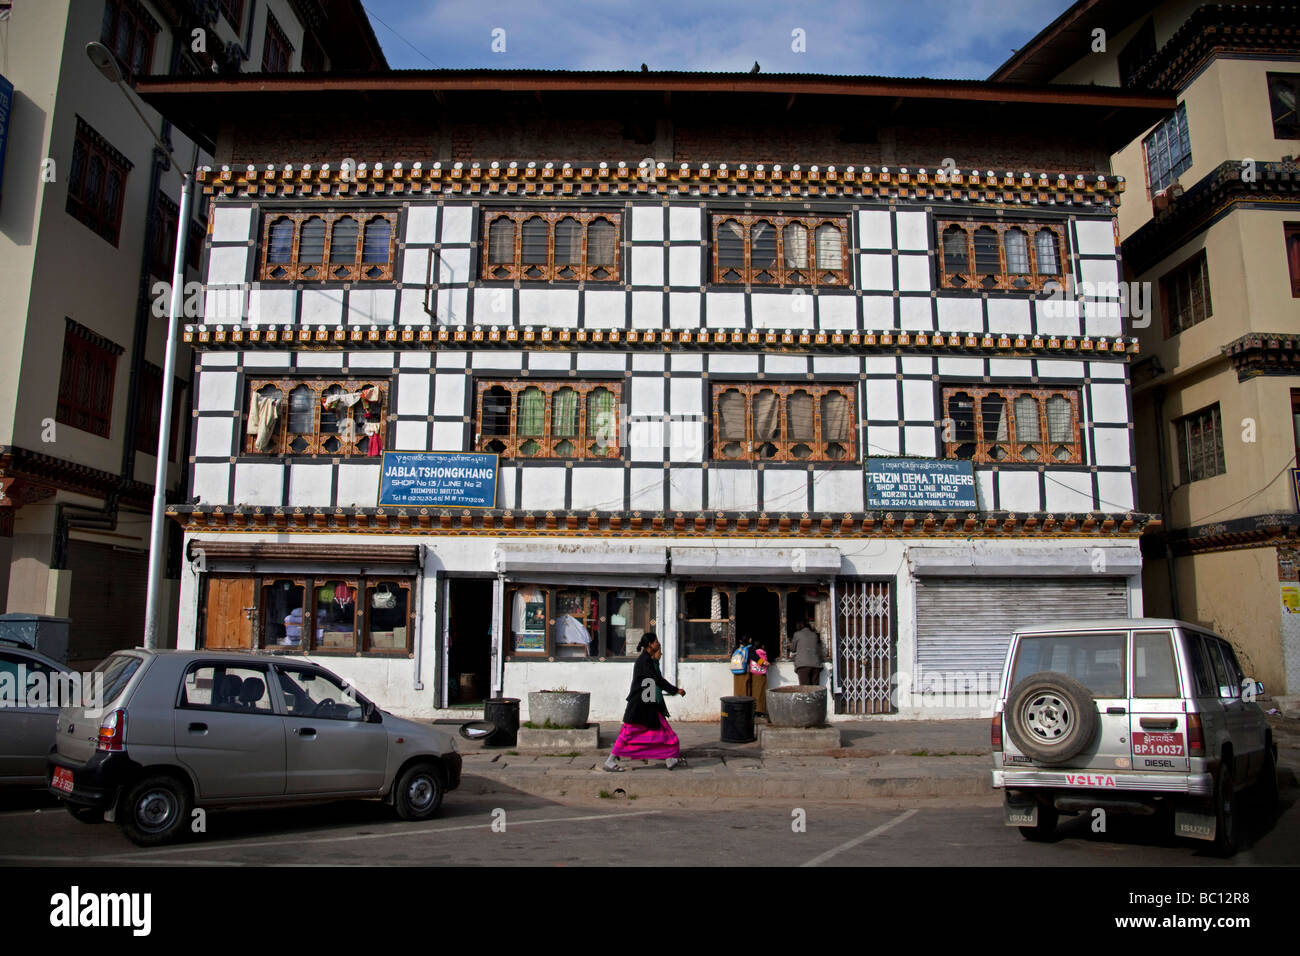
column 184, row 729
column 1130, row 716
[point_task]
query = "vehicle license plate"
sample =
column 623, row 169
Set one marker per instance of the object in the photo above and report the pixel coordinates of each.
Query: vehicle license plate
column 1157, row 745
column 63, row 779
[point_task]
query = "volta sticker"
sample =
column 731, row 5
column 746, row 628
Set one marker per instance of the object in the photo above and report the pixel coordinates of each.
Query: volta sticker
column 1089, row 780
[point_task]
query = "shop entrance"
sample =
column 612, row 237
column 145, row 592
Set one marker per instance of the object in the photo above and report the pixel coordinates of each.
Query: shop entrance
column 469, row 641
column 758, row 617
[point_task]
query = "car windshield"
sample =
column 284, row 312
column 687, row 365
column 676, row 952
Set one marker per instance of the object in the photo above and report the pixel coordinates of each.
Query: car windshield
column 1095, row 660
column 117, row 671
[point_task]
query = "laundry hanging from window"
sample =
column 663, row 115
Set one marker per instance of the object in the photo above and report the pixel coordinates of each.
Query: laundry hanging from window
column 262, row 419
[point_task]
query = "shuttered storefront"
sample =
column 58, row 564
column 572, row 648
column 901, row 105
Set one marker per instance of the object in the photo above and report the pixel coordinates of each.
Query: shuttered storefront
column 107, row 601
column 963, row 625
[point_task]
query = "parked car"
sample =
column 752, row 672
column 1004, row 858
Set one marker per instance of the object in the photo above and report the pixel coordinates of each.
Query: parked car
column 26, row 725
column 212, row 729
column 1130, row 716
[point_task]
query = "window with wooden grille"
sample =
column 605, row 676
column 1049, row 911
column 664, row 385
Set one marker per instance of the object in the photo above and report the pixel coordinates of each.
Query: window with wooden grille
column 149, row 411
column 97, row 182
column 768, row 422
column 538, row 419
column 86, row 380
column 1185, row 295
column 233, row 11
column 1037, row 426
column 1200, row 445
column 1283, row 89
column 321, row 247
column 162, row 238
column 1011, row 256
column 317, row 418
column 552, row 246
column 781, row 251
column 276, row 48
column 1168, row 151
column 130, row 31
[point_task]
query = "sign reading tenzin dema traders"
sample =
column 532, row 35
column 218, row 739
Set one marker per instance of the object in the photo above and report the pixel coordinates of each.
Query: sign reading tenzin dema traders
column 438, row 479
column 920, row 484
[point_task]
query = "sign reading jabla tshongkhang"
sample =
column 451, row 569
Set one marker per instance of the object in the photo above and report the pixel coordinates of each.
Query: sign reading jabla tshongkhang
column 438, row 479
column 920, row 484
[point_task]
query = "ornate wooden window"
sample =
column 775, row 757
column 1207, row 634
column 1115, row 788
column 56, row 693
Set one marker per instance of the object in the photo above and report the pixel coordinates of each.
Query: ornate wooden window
column 1008, row 425
column 233, row 11
column 86, row 380
column 770, row 422
column 162, row 241
column 1185, row 295
column 336, row 615
column 276, row 48
column 97, row 182
column 1282, row 91
column 551, row 246
column 320, row 417
column 1200, row 445
column 150, row 408
column 328, row 247
column 540, row 419
column 129, row 31
column 780, row 251
column 1014, row 256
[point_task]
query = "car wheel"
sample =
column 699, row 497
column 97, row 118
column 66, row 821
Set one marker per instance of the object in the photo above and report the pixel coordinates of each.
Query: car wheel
column 85, row 814
column 1045, row 828
column 155, row 810
column 1051, row 717
column 1227, row 818
column 417, row 795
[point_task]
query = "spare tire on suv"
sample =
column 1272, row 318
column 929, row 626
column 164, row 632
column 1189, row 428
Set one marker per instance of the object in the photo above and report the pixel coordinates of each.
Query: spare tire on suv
column 1051, row 717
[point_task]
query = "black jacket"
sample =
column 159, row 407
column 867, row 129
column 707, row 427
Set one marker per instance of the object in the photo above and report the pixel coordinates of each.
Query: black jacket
column 640, row 711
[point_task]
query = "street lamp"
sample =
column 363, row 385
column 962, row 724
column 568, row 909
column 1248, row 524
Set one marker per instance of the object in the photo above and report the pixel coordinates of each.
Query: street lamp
column 106, row 63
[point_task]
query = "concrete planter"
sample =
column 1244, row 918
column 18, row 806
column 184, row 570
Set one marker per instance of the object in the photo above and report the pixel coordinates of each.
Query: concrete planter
column 556, row 709
column 797, row 705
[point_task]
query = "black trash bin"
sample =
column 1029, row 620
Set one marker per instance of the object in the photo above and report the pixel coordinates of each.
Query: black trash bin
column 737, row 720
column 504, row 712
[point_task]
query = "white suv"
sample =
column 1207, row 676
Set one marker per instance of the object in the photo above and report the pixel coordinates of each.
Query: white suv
column 1130, row 716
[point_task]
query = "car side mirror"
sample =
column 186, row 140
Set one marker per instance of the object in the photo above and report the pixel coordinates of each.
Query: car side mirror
column 371, row 713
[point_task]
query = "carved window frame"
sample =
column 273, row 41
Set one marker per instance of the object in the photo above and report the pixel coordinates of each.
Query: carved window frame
column 316, row 441
column 785, row 446
column 985, row 450
column 972, row 280
column 359, row 270
column 510, row 445
column 782, row 276
column 550, row 271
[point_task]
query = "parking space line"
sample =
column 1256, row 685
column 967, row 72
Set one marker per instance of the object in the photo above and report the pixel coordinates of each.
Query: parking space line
column 397, row 831
column 834, row 851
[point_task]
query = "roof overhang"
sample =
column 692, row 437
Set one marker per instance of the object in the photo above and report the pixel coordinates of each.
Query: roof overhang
column 1069, row 38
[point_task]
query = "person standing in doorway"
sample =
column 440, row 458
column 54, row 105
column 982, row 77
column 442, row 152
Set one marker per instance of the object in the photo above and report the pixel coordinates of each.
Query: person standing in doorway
column 645, row 734
column 806, row 649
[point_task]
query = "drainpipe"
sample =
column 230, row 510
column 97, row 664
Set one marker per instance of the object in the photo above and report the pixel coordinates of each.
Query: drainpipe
column 419, row 634
column 1162, row 455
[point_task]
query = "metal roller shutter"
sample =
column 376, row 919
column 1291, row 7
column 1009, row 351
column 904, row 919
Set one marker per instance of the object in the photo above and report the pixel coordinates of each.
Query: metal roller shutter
column 107, row 601
column 963, row 625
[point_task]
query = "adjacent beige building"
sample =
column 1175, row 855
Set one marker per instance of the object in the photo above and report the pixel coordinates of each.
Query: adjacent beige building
column 88, row 210
column 1210, row 225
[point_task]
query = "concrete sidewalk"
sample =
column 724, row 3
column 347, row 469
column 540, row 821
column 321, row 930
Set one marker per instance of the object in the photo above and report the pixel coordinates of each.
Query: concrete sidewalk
column 878, row 759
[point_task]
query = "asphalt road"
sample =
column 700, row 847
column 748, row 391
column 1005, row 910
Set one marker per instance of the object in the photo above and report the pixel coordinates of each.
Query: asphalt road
column 617, row 831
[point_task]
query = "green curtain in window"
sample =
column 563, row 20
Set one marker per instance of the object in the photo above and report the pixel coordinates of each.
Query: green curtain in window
column 601, row 418
column 564, row 413
column 532, row 413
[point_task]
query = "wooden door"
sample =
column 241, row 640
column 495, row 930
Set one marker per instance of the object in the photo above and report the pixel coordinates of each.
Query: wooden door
column 229, row 613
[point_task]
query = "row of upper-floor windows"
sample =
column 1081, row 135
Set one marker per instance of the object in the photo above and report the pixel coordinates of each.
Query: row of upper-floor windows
column 532, row 419
column 762, row 250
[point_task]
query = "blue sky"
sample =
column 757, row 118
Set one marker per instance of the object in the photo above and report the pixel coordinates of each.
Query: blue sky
column 958, row 39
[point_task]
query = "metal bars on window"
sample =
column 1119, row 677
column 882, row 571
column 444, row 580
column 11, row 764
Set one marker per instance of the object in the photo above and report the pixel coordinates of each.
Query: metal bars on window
column 864, row 647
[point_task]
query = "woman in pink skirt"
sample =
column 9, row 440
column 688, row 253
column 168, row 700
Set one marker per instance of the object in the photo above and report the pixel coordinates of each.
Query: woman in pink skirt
column 645, row 734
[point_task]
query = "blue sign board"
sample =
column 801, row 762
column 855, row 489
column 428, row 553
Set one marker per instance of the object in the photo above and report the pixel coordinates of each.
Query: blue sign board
column 438, row 479
column 920, row 484
column 6, row 107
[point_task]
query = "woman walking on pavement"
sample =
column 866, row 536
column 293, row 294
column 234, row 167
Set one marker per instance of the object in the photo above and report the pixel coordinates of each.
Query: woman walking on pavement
column 645, row 734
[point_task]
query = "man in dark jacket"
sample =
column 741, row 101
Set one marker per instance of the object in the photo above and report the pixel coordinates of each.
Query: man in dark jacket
column 806, row 649
column 645, row 733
